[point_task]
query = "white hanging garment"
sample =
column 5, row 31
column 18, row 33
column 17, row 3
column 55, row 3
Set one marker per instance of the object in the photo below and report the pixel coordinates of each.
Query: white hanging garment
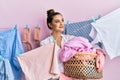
column 108, row 29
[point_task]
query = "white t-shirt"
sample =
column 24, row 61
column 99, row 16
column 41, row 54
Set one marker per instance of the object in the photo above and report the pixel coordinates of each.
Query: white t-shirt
column 50, row 39
column 108, row 32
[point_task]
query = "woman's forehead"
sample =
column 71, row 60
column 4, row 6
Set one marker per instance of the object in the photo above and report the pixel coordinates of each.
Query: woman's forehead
column 59, row 16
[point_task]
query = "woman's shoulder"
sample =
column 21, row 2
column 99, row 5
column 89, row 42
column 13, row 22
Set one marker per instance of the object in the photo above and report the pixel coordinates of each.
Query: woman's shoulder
column 45, row 41
column 50, row 39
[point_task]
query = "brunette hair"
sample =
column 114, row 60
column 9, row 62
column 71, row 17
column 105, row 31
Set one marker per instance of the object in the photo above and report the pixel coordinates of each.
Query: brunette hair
column 50, row 14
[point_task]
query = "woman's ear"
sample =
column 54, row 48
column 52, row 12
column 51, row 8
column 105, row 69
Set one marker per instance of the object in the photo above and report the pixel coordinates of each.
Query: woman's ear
column 50, row 25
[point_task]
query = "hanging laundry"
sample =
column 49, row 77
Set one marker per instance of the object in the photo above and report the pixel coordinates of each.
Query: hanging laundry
column 6, row 72
column 10, row 43
column 37, row 36
column 108, row 32
column 37, row 64
column 26, row 38
column 82, row 28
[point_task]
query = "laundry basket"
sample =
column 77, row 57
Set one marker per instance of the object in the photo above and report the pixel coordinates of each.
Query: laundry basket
column 82, row 66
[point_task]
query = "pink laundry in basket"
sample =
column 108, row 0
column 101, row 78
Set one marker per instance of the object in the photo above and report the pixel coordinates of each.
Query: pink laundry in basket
column 100, row 60
column 77, row 44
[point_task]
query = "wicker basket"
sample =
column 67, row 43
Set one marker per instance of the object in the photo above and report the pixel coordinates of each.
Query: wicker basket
column 82, row 66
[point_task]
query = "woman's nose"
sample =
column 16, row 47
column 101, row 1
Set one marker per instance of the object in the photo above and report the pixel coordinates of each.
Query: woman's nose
column 62, row 23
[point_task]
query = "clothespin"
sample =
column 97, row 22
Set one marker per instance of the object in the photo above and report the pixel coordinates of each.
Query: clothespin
column 68, row 22
column 37, row 25
column 26, row 26
column 93, row 18
column 99, row 16
column 17, row 53
column 1, row 58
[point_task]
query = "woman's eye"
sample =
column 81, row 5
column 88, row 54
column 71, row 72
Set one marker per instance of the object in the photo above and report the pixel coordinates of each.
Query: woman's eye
column 62, row 20
column 57, row 21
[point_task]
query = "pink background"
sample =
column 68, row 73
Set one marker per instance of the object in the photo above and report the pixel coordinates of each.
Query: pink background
column 22, row 12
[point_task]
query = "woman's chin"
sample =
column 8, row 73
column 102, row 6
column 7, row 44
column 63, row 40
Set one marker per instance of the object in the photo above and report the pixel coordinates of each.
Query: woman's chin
column 60, row 30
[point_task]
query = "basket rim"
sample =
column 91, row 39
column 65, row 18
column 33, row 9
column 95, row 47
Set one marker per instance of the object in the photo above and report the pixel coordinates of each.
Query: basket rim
column 89, row 53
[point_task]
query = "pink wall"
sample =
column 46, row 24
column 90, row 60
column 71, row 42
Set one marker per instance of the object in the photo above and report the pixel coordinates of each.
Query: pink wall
column 24, row 12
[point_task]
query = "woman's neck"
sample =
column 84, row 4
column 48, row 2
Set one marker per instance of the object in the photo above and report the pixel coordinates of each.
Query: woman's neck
column 56, row 35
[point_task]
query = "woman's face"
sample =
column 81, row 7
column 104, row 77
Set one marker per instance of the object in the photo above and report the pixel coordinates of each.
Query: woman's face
column 57, row 23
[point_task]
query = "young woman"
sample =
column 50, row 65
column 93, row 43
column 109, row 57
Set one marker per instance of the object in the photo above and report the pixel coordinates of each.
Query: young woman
column 55, row 22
